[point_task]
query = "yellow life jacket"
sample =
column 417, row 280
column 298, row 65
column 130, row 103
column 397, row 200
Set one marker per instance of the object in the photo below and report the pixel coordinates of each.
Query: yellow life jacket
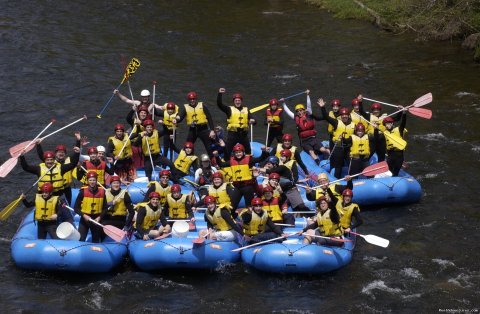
column 195, row 114
column 177, row 208
column 227, row 174
column 257, row 224
column 151, row 217
column 332, row 187
column 345, row 213
column 53, row 176
column 343, row 130
column 356, row 118
column 220, row 194
column 293, row 149
column 67, row 176
column 276, row 191
column 330, row 127
column 273, row 209
column 360, row 146
column 119, row 209
column 151, row 142
column 45, row 208
column 92, row 204
column 118, row 145
column 326, row 225
column 289, row 164
column 238, row 119
column 163, row 191
column 392, row 145
column 216, row 219
column 379, row 121
column 184, row 161
column 168, row 118
column 99, row 169
column 241, row 169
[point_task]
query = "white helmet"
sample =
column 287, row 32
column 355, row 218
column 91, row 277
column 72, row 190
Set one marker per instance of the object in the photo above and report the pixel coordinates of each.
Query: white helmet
column 101, row 148
column 145, row 93
column 204, row 157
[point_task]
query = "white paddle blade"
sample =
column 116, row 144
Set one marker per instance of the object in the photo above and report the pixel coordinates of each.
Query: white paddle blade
column 376, row 240
column 423, row 100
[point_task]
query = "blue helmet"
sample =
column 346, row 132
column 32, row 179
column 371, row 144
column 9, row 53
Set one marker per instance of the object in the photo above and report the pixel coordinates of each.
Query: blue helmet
column 273, row 160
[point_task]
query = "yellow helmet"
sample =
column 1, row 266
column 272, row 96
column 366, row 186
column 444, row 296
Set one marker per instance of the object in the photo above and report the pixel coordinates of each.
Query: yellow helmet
column 299, row 106
column 322, row 176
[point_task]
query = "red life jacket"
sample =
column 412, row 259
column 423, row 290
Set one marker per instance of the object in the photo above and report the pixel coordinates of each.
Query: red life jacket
column 305, row 126
column 275, row 116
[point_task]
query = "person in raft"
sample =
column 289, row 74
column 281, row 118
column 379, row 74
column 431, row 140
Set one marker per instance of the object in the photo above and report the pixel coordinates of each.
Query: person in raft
column 149, row 216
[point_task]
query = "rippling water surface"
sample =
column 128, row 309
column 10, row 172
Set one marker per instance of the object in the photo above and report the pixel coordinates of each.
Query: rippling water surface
column 62, row 60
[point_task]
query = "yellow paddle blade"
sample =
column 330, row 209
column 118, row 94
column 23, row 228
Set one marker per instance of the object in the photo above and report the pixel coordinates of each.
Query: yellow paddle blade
column 253, row 110
column 401, row 143
column 9, row 209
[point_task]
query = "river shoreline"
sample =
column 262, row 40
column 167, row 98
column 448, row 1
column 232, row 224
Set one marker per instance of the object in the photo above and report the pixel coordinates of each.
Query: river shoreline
column 439, row 20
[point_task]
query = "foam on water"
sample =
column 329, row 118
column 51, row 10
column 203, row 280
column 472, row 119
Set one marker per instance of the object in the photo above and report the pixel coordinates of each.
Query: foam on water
column 272, row 13
column 286, row 76
column 379, row 285
column 443, row 263
column 411, row 272
column 95, row 301
column 399, row 230
column 434, row 137
column 463, row 281
column 463, row 94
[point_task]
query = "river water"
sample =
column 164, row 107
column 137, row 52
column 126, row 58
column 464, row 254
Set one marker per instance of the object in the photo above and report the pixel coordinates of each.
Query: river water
column 62, row 59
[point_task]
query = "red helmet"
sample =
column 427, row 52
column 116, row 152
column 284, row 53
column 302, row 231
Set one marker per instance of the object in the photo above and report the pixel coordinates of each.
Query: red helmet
column 287, row 137
column 321, row 198
column 114, row 178
column 359, row 127
column 47, row 187
column 217, row 175
column 237, row 95
column 238, row 146
column 274, row 175
column 119, row 126
column 188, row 145
column 48, row 154
column 171, row 106
column 257, row 201
column 267, row 188
column 92, row 174
column 165, row 173
column 191, row 96
column 176, row 188
column 376, row 106
column 154, row 195
column 142, row 108
column 92, row 150
column 61, row 147
column 347, row 192
column 344, row 111
column 355, row 102
column 273, row 102
column 209, row 199
column 388, row 120
column 287, row 153
column 336, row 102
column 148, row 122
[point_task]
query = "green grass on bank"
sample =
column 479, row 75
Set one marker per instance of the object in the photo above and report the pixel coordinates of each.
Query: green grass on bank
column 429, row 19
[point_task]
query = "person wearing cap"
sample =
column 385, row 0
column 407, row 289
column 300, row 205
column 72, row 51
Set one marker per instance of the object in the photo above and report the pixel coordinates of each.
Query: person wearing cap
column 185, row 161
column 335, row 114
column 395, row 156
column 276, row 207
column 326, row 224
column 343, row 128
column 358, row 114
column 151, row 221
column 221, row 191
column 163, row 188
column 362, row 146
column 94, row 163
column 257, row 224
column 51, row 171
column 144, row 100
column 119, row 148
column 220, row 224
column 240, row 169
column 179, row 205
column 49, row 212
column 91, row 203
column 168, row 119
column 203, row 175
column 287, row 144
column 238, row 121
column 348, row 211
column 305, row 122
column 324, row 185
column 62, row 158
column 120, row 210
column 274, row 118
column 149, row 141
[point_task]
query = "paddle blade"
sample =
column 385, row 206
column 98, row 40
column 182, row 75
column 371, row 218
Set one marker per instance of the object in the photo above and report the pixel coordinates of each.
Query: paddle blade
column 113, row 232
column 7, row 166
column 423, row 100
column 375, row 169
column 376, row 240
column 401, row 143
column 16, row 150
column 253, row 110
column 421, row 112
column 9, row 209
column 198, row 240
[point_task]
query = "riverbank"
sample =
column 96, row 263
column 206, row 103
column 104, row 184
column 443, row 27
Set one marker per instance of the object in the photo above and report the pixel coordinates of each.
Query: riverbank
column 429, row 19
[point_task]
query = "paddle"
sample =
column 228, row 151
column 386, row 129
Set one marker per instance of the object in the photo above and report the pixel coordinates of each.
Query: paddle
column 16, row 150
column 10, row 208
column 263, row 242
column 371, row 170
column 329, row 238
column 131, row 68
column 153, row 101
column 125, row 145
column 373, row 239
column 421, row 101
column 258, row 108
column 266, row 137
column 420, row 112
column 401, row 143
column 200, row 240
